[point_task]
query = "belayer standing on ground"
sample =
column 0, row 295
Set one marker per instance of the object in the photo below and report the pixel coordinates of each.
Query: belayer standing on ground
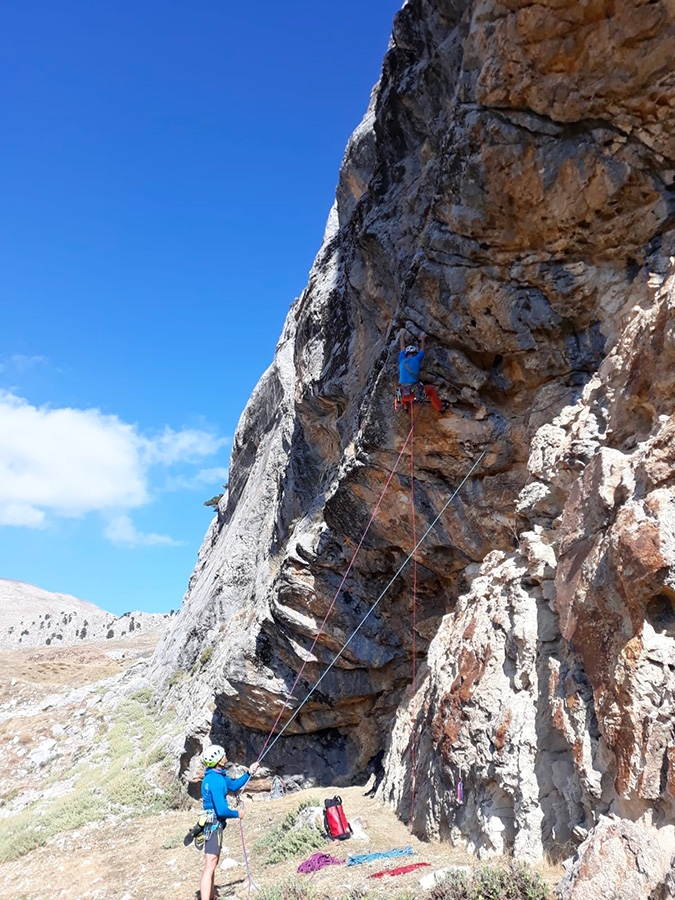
column 409, row 362
column 215, row 787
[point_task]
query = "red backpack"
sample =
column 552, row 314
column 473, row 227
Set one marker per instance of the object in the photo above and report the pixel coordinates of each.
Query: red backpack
column 335, row 820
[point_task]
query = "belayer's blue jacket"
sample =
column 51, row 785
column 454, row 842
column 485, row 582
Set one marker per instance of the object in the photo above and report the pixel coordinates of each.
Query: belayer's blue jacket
column 215, row 786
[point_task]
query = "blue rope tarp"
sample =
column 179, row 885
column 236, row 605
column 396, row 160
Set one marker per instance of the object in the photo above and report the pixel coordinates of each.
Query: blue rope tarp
column 385, row 854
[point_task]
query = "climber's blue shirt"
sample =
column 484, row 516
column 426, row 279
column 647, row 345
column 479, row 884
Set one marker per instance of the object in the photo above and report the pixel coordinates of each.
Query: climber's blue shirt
column 413, row 363
column 215, row 787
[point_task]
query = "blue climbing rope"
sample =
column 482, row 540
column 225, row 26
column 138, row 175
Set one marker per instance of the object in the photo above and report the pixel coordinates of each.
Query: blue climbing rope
column 360, row 858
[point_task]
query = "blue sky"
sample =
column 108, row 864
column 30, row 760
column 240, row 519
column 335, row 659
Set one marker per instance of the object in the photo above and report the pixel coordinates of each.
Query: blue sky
column 166, row 171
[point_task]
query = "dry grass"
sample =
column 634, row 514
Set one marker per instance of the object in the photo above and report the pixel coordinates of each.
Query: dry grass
column 144, row 857
column 74, row 857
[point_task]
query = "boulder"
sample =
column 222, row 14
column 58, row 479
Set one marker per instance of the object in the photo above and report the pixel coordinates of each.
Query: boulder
column 618, row 859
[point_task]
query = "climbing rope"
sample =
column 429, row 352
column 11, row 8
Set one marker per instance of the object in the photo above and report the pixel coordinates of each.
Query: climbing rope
column 289, row 694
column 400, row 870
column 417, row 544
column 318, row 861
column 360, row 858
column 251, row 882
column 414, row 614
column 376, row 603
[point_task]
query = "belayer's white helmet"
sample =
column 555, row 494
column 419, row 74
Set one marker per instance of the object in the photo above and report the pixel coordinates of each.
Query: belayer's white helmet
column 410, row 350
column 213, row 755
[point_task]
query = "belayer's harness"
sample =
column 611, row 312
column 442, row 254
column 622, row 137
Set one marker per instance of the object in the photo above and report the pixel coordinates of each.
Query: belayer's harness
column 206, row 823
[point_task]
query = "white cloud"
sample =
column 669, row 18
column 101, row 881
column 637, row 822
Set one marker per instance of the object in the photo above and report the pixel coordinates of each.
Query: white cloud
column 203, row 478
column 122, row 532
column 22, row 363
column 181, row 446
column 21, row 514
column 69, row 462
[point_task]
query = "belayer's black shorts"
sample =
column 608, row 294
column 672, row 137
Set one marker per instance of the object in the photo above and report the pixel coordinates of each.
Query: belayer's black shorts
column 214, row 841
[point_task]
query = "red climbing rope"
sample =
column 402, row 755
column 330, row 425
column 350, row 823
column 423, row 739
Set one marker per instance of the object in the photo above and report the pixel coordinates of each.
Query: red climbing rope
column 414, row 612
column 413, row 556
column 251, row 882
column 289, row 695
column 400, row 870
column 382, row 594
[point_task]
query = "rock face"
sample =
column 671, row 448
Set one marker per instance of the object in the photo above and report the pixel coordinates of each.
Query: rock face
column 510, row 193
column 32, row 617
column 621, row 859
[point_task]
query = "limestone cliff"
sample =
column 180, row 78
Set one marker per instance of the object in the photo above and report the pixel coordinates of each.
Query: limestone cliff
column 510, row 193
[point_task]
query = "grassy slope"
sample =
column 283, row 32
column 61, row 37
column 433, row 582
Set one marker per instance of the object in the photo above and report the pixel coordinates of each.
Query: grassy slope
column 106, row 828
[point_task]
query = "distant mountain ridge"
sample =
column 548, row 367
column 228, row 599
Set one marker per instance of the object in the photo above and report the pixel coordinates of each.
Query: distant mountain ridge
column 33, row 617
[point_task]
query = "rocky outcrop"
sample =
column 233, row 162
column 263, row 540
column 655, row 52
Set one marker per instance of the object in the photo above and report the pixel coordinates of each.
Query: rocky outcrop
column 33, row 617
column 510, row 193
column 550, row 686
column 621, row 859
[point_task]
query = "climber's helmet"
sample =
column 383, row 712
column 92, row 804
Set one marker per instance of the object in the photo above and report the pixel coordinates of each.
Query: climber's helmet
column 213, row 755
column 411, row 350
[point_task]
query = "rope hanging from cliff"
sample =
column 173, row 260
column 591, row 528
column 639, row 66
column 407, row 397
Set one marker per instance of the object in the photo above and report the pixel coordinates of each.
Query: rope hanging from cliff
column 251, row 882
column 289, row 695
column 414, row 611
column 268, row 746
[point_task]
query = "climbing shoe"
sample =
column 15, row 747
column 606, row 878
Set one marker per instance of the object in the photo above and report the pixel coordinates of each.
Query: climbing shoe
column 196, row 833
column 193, row 834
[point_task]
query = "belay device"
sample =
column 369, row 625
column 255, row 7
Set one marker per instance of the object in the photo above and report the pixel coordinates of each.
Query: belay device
column 335, row 820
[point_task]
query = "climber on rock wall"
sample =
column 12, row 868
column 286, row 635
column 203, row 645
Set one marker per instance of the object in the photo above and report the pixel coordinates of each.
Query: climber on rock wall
column 410, row 361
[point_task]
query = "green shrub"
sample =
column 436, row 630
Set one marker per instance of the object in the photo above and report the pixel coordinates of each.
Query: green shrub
column 172, row 796
column 455, row 886
column 177, row 676
column 286, row 890
column 174, row 840
column 157, row 754
column 296, row 842
column 514, row 882
column 288, row 842
column 113, row 777
column 526, row 883
column 17, row 844
column 32, row 828
column 144, row 696
column 9, row 796
column 131, row 789
column 118, row 741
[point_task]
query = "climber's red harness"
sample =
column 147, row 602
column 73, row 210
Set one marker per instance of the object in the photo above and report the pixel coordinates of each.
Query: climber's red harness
column 409, row 393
